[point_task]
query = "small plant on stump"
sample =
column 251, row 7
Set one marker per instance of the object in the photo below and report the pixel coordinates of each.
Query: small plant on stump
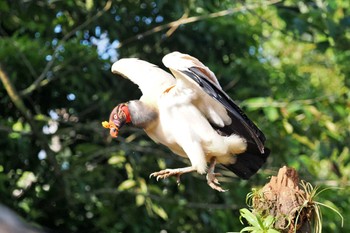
column 283, row 205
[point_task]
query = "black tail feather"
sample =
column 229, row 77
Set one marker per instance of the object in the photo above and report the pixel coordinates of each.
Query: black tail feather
column 248, row 163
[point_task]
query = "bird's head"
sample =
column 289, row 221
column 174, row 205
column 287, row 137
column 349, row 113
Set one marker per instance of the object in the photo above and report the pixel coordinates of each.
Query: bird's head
column 119, row 116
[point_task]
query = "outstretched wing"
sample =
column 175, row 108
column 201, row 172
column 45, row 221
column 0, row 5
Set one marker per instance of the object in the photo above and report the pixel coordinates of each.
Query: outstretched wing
column 192, row 73
column 151, row 80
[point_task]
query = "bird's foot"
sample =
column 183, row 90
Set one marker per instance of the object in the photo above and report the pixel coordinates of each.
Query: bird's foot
column 163, row 174
column 172, row 172
column 212, row 179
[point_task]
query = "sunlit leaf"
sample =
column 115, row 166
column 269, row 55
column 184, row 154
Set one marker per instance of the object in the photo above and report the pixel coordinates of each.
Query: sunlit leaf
column 304, row 140
column 250, row 217
column 268, row 221
column 18, row 126
column 249, row 229
column 159, row 211
column 271, row 113
column 255, row 103
column 116, row 159
column 140, row 200
column 26, row 179
column 89, row 4
column 127, row 184
column 287, row 126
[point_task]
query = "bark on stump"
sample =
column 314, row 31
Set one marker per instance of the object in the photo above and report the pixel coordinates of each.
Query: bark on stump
column 283, row 199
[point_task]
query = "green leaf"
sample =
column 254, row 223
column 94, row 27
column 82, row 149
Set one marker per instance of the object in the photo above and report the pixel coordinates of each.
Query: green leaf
column 128, row 184
column 140, row 200
column 18, row 126
column 116, row 159
column 287, row 126
column 26, row 180
column 89, row 4
column 41, row 117
column 293, row 107
column 271, row 113
column 255, row 103
column 249, row 229
column 250, row 217
column 304, row 140
column 268, row 221
column 159, row 211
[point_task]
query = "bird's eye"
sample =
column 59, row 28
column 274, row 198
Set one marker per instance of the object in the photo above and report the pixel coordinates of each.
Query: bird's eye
column 114, row 130
column 115, row 116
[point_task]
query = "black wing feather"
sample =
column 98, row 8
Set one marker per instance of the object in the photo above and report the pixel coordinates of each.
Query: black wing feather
column 249, row 162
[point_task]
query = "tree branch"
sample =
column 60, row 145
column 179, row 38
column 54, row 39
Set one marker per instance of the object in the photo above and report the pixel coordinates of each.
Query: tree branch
column 18, row 102
column 172, row 26
column 12, row 92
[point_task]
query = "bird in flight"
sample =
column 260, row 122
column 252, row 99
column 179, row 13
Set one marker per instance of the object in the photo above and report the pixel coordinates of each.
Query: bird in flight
column 190, row 114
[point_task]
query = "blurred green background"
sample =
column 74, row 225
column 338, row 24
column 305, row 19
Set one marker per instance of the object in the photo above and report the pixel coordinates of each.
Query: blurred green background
column 286, row 63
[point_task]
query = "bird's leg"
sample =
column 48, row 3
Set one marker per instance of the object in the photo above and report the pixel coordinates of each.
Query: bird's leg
column 172, row 172
column 211, row 176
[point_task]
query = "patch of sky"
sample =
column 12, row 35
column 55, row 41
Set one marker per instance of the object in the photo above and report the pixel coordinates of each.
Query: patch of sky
column 42, row 154
column 147, row 20
column 65, row 165
column 53, row 115
column 159, row 19
column 59, row 14
column 98, row 31
column 252, row 50
column 71, row 97
column 54, row 42
column 58, row 28
column 105, row 48
column 48, row 58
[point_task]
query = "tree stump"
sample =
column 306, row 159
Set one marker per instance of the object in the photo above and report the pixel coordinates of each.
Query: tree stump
column 283, row 199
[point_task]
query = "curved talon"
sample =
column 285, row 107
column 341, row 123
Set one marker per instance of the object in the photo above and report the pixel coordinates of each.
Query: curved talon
column 214, row 183
column 217, row 187
column 172, row 172
column 165, row 174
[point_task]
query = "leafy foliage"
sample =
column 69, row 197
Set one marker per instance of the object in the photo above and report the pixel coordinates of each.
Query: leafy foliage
column 258, row 224
column 282, row 205
column 285, row 63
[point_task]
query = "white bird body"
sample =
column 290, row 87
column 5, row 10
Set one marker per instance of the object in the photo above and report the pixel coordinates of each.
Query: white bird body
column 189, row 133
column 191, row 115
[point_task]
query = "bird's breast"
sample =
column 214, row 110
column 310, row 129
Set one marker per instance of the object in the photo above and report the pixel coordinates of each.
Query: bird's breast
column 159, row 135
column 182, row 125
